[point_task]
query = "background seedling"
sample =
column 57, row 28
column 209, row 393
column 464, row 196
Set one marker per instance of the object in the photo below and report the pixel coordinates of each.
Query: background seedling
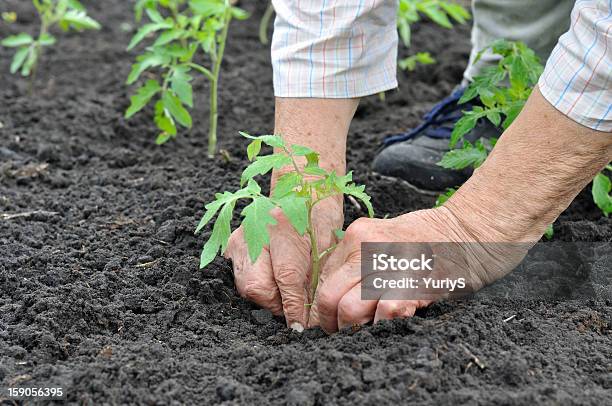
column 503, row 90
column 296, row 193
column 440, row 12
column 182, row 29
column 67, row 14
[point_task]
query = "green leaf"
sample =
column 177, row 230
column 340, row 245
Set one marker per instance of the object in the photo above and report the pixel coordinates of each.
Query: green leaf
column 180, row 83
column 17, row 40
column 263, row 165
column 253, row 149
column 494, row 117
column 142, row 97
column 146, row 61
column 146, row 30
column 443, row 198
column 163, row 120
column 286, row 184
column 78, row 20
column 207, row 8
column 47, row 40
column 469, row 155
column 410, row 63
column 168, row 36
column 257, row 217
column 270, row 140
column 601, row 193
column 462, row 127
column 153, row 14
column 220, row 235
column 19, row 58
column 315, row 171
column 359, row 193
column 550, row 231
column 176, row 109
column 339, row 234
column 162, row 138
column 29, row 63
column 239, row 14
column 296, row 211
column 299, row 150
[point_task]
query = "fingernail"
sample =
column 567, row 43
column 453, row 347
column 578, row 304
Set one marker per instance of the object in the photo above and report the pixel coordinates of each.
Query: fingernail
column 297, row 327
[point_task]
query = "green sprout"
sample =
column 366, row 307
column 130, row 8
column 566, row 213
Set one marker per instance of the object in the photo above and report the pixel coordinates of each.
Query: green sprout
column 440, row 12
column 184, row 29
column 296, row 194
column 67, row 14
column 503, row 90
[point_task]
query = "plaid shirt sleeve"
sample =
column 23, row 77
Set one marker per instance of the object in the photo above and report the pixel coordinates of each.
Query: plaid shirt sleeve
column 578, row 75
column 334, row 48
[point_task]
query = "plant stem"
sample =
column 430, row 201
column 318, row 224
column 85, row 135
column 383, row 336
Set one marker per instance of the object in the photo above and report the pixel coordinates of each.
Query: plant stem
column 609, row 167
column 263, row 24
column 38, row 52
column 315, row 259
column 214, row 85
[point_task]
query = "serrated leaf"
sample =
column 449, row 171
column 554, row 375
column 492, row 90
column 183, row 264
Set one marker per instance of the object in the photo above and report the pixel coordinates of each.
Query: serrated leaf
column 296, row 211
column 263, row 165
column 219, row 236
column 462, row 127
column 18, row 40
column 469, row 155
column 180, row 84
column 601, row 193
column 146, row 30
column 144, row 62
column 173, row 104
column 142, row 97
column 253, row 149
column 270, row 140
column 359, row 193
column 257, row 218
column 162, row 119
column 285, row 184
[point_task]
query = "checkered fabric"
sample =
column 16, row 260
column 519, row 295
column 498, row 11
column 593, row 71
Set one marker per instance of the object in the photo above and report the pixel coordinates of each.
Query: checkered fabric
column 348, row 48
column 578, row 75
column 334, row 48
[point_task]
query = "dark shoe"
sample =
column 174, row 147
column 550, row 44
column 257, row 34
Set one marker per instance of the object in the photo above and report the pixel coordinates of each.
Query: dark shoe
column 413, row 156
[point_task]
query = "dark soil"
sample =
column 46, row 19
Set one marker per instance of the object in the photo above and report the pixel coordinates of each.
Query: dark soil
column 100, row 291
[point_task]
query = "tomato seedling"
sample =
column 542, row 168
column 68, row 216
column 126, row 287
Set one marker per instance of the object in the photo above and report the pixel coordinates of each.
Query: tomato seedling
column 181, row 31
column 503, row 91
column 67, row 14
column 440, row 12
column 296, row 193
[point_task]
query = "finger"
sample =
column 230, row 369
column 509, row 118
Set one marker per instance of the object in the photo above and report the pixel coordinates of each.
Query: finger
column 290, row 257
column 389, row 309
column 254, row 282
column 335, row 282
column 353, row 310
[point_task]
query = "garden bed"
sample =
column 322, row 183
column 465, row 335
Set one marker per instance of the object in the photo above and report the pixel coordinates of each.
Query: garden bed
column 100, row 291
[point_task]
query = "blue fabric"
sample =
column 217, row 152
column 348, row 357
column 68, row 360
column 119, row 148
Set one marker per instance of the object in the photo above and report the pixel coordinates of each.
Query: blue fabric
column 438, row 122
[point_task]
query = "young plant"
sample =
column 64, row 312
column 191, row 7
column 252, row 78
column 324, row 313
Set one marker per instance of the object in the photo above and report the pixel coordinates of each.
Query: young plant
column 503, row 91
column 295, row 193
column 182, row 29
column 67, row 14
column 440, row 12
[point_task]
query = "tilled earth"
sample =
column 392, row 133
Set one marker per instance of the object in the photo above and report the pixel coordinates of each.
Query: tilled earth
column 100, row 291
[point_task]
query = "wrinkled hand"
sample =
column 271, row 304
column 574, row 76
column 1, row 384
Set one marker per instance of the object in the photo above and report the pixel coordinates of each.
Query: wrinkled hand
column 279, row 279
column 338, row 302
